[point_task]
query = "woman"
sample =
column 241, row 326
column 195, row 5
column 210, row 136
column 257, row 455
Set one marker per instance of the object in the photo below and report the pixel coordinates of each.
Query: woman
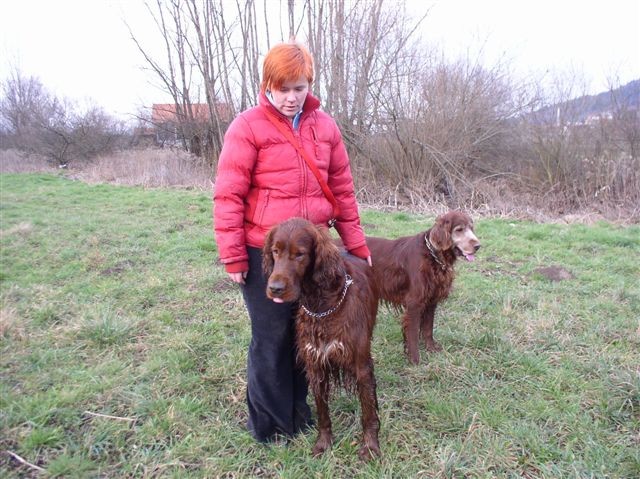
column 263, row 180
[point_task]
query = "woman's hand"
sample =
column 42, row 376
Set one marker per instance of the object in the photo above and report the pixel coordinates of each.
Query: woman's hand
column 238, row 277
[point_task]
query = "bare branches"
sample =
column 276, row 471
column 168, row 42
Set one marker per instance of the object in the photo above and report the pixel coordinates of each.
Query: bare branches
column 36, row 121
column 26, row 463
column 407, row 115
column 108, row 416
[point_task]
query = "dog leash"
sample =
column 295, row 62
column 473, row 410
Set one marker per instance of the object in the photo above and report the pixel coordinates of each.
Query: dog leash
column 312, row 166
column 348, row 282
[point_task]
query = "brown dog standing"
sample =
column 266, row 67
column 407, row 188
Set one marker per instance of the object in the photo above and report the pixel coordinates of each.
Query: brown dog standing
column 416, row 273
column 335, row 322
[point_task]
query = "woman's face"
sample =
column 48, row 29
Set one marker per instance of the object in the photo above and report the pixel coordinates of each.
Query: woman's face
column 289, row 98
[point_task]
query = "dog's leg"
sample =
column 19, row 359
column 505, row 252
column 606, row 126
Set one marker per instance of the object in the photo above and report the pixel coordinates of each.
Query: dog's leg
column 366, row 384
column 321, row 397
column 426, row 329
column 411, row 333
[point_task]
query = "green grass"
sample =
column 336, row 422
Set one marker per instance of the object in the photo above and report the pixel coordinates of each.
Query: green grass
column 122, row 350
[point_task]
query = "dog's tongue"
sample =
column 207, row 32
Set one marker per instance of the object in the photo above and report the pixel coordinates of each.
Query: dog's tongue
column 470, row 257
column 278, row 300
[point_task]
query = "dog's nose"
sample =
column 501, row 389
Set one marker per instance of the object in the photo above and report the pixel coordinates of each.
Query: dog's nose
column 276, row 289
column 476, row 247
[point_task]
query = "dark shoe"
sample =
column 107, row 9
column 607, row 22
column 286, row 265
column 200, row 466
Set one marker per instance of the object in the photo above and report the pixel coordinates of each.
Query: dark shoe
column 305, row 428
column 274, row 439
column 303, row 420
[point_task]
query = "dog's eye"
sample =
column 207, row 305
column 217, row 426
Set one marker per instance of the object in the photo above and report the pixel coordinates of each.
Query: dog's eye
column 274, row 252
column 299, row 255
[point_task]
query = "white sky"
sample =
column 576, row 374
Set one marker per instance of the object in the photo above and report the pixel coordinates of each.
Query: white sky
column 81, row 48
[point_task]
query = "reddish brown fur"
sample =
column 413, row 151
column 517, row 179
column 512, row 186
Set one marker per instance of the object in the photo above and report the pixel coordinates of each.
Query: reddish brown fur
column 408, row 276
column 303, row 264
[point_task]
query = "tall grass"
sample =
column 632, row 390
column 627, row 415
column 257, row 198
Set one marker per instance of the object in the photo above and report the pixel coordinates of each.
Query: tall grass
column 15, row 161
column 503, row 195
column 149, row 168
column 122, row 349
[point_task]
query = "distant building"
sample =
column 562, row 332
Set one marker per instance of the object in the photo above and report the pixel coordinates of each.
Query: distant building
column 596, row 118
column 169, row 124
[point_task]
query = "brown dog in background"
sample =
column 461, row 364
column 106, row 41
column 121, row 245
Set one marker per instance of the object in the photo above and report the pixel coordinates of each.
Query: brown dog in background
column 335, row 321
column 416, row 273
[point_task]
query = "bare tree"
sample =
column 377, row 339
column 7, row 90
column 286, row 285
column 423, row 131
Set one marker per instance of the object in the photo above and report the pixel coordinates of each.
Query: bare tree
column 245, row 58
column 172, row 73
column 205, row 53
column 358, row 46
column 552, row 135
column 38, row 122
column 626, row 118
column 211, row 46
column 24, row 103
column 410, row 118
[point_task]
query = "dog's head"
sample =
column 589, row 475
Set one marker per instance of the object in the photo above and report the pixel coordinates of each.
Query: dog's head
column 454, row 230
column 296, row 251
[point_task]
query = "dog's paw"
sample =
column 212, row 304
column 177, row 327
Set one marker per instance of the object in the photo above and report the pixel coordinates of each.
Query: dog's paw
column 368, row 452
column 433, row 346
column 322, row 444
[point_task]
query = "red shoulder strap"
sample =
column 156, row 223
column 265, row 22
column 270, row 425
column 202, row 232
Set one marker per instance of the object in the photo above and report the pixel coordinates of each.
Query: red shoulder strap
column 312, row 166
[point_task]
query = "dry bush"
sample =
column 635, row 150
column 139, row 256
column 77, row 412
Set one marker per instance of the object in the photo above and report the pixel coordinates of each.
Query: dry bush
column 148, row 168
column 505, row 197
column 579, row 166
column 449, row 126
column 34, row 120
column 581, row 150
column 475, row 140
column 15, row 161
column 423, row 132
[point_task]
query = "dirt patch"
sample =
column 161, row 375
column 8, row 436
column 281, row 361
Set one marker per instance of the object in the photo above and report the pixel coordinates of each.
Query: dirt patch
column 118, row 268
column 554, row 273
column 22, row 229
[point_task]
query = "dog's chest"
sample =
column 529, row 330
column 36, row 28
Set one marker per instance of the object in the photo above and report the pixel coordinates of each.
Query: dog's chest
column 316, row 347
column 437, row 282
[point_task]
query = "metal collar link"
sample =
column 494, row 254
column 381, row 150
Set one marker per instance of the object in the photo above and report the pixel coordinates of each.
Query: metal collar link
column 348, row 281
column 434, row 255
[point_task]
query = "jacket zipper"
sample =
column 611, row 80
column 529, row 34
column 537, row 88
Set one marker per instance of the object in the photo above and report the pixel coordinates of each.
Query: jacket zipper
column 303, row 173
column 302, row 167
column 315, row 139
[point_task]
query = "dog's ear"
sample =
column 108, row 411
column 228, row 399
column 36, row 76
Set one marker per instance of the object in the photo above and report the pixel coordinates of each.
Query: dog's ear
column 267, row 256
column 327, row 265
column 440, row 235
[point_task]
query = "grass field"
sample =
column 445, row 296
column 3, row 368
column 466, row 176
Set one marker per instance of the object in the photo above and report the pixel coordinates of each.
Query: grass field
column 123, row 350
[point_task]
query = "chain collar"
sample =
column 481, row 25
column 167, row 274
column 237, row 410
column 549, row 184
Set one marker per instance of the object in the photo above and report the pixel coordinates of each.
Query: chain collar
column 434, row 255
column 348, row 282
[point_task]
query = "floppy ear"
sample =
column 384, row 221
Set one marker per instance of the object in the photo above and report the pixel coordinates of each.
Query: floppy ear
column 440, row 235
column 267, row 257
column 327, row 264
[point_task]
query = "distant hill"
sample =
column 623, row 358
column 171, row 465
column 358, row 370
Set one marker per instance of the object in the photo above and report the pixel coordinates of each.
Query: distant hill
column 590, row 107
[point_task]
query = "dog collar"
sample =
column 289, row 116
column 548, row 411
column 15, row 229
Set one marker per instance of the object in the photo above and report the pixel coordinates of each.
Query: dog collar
column 348, row 282
column 434, row 255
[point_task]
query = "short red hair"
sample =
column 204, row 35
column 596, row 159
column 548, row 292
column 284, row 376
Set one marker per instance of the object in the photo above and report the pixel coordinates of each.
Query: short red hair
column 286, row 62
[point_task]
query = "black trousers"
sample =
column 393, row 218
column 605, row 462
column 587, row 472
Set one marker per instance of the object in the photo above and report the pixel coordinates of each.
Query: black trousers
column 276, row 386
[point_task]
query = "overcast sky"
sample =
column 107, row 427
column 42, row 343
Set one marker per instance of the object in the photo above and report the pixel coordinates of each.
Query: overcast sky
column 81, row 48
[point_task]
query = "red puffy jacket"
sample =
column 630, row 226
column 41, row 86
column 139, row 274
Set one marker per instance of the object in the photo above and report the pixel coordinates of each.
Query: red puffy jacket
column 262, row 180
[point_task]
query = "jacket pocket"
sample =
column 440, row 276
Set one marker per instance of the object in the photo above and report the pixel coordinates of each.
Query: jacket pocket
column 261, row 207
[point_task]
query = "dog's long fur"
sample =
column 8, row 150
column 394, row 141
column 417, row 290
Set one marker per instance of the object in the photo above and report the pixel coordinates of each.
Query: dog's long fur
column 303, row 264
column 410, row 275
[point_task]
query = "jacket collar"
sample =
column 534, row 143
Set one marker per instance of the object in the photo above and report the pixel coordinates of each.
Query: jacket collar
column 311, row 103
